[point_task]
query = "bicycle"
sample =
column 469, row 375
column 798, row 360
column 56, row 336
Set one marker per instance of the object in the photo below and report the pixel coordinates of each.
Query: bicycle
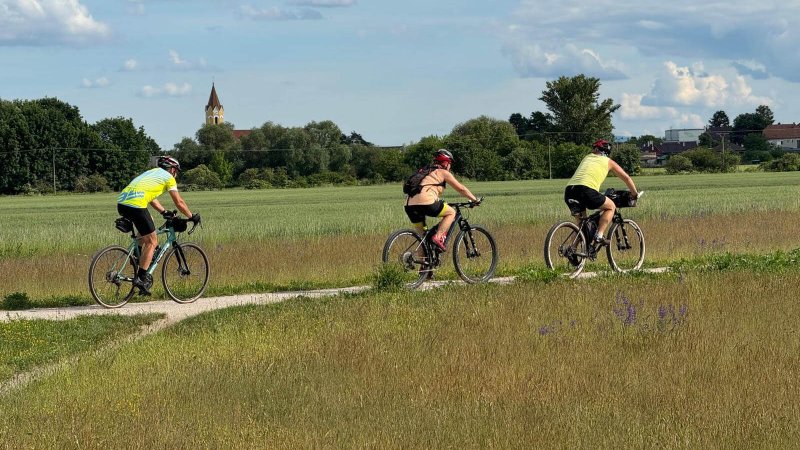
column 568, row 246
column 184, row 273
column 474, row 251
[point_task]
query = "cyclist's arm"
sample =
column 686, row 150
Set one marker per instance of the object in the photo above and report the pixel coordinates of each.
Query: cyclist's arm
column 179, row 203
column 451, row 180
column 622, row 175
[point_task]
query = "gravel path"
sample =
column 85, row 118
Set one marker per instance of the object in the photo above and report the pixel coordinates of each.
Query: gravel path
column 176, row 312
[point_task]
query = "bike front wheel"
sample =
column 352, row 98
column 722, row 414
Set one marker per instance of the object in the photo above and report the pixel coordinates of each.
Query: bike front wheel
column 565, row 249
column 185, row 272
column 404, row 249
column 626, row 250
column 475, row 255
column 111, row 273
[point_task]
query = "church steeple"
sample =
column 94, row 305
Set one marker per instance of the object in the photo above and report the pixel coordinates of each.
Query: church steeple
column 215, row 113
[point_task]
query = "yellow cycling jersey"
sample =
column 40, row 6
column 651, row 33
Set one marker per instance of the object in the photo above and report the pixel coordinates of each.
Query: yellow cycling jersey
column 146, row 187
column 591, row 172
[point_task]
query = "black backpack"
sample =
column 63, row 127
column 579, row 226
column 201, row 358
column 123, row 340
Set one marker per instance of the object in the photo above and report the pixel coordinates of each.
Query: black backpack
column 413, row 184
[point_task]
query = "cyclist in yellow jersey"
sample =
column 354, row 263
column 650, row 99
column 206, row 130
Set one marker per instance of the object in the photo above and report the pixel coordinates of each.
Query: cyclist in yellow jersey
column 132, row 204
column 583, row 190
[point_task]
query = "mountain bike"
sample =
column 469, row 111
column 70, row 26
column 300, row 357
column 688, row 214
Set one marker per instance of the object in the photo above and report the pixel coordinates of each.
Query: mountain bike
column 474, row 251
column 184, row 272
column 568, row 246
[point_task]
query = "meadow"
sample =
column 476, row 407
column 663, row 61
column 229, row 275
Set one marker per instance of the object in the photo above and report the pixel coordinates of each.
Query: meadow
column 699, row 359
column 329, row 237
column 703, row 356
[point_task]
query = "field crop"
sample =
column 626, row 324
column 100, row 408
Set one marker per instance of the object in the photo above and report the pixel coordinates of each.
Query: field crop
column 279, row 239
column 702, row 359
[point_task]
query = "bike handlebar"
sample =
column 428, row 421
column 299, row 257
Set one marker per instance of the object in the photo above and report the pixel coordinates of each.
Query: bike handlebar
column 469, row 204
column 169, row 222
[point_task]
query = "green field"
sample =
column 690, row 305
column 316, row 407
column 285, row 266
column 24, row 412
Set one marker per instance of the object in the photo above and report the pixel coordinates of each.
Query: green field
column 324, row 237
column 705, row 356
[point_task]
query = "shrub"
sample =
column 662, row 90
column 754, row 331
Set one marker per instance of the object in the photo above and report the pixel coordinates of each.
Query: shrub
column 92, row 183
column 201, row 178
column 789, row 162
column 678, row 164
column 16, row 301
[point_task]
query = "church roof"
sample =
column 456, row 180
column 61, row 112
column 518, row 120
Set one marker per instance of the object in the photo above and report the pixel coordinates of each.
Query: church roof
column 213, row 100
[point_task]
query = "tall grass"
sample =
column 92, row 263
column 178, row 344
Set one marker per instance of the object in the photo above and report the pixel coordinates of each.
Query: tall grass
column 708, row 359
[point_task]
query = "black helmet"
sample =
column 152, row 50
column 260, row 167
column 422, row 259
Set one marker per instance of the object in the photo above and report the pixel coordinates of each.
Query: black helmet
column 602, row 146
column 442, row 156
column 168, row 162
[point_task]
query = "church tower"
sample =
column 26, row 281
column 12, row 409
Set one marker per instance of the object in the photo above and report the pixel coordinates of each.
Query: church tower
column 215, row 113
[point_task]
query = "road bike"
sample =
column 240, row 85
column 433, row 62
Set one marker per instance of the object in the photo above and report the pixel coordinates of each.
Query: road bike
column 474, row 251
column 184, row 272
column 568, row 246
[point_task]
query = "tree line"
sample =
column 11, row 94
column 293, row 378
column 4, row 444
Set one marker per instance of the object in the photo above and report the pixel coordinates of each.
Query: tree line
column 47, row 145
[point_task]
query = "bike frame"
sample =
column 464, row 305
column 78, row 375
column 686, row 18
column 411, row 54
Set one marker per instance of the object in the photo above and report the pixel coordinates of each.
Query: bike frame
column 590, row 239
column 133, row 250
column 460, row 221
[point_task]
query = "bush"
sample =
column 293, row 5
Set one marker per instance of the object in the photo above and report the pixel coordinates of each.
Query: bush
column 201, row 178
column 789, row 162
column 92, row 183
column 16, row 301
column 678, row 164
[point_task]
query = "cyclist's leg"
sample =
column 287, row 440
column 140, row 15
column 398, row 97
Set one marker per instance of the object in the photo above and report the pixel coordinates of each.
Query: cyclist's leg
column 147, row 240
column 448, row 215
column 608, row 207
column 574, row 202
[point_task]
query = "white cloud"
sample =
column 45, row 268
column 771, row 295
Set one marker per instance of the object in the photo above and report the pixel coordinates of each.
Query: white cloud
column 532, row 60
column 45, row 22
column 741, row 30
column 136, row 7
column 167, row 90
column 97, row 83
column 275, row 13
column 130, row 65
column 684, row 86
column 181, row 64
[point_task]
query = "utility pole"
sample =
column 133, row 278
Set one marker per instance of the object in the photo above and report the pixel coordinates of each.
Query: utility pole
column 549, row 158
column 54, row 170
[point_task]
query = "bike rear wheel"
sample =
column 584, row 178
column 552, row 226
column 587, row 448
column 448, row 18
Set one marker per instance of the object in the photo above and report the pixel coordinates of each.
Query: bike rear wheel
column 626, row 250
column 404, row 249
column 475, row 255
column 185, row 272
column 111, row 273
column 565, row 249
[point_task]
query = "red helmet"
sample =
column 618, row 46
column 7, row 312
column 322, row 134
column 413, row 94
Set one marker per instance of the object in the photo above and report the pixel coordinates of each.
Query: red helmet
column 602, row 146
column 168, row 162
column 443, row 156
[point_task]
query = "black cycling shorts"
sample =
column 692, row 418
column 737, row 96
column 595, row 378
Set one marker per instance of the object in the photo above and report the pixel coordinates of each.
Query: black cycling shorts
column 586, row 197
column 417, row 213
column 139, row 216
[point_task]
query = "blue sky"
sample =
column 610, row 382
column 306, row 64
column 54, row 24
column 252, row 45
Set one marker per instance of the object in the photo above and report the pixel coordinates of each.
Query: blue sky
column 398, row 71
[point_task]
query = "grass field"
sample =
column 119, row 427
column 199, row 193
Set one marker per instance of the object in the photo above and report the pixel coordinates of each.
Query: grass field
column 704, row 359
column 275, row 239
column 706, row 356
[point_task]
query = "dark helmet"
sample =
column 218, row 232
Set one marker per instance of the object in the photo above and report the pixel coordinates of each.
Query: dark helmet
column 168, row 162
column 602, row 146
column 443, row 156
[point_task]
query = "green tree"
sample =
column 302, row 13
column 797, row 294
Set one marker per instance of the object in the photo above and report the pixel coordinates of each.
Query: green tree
column 719, row 119
column 576, row 109
column 629, row 157
column 127, row 151
column 565, row 158
column 479, row 147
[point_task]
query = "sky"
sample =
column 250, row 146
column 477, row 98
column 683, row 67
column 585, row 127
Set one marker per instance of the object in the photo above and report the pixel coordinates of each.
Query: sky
column 397, row 71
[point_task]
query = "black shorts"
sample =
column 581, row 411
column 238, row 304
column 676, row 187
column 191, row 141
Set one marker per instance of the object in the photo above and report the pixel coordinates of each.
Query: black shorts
column 417, row 213
column 139, row 216
column 586, row 198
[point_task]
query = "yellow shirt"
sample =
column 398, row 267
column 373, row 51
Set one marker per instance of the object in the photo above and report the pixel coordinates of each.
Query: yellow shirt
column 591, row 172
column 146, row 187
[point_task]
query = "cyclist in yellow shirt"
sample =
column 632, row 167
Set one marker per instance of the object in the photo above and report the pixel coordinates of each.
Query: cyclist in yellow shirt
column 583, row 190
column 132, row 204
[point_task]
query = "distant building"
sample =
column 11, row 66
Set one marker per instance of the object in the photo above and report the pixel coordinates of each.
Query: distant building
column 683, row 135
column 215, row 113
column 785, row 136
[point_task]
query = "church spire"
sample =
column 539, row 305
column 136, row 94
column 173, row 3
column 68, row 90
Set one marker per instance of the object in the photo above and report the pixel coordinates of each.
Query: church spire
column 214, row 110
